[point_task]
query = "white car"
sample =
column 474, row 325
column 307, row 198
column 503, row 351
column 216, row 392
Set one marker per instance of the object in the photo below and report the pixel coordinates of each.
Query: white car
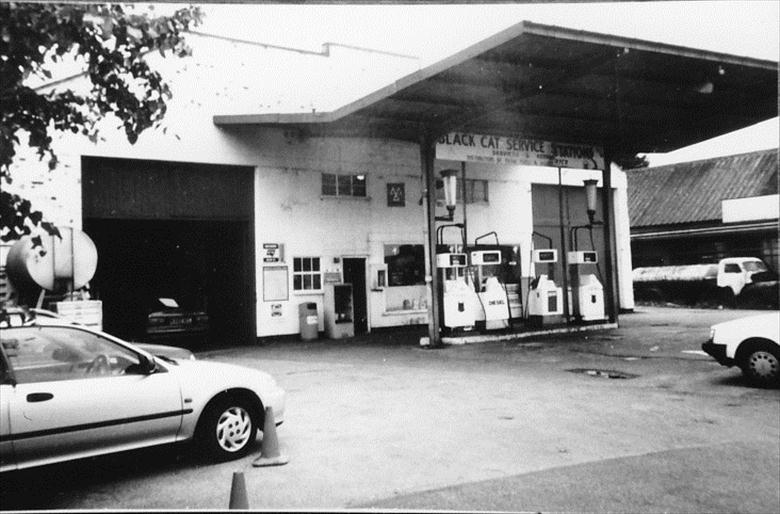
column 752, row 343
column 69, row 392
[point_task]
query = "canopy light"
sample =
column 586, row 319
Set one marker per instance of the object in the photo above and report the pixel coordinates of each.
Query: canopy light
column 590, row 194
column 450, row 180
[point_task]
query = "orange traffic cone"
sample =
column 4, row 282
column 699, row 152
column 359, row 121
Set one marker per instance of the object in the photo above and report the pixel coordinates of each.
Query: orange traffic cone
column 238, row 499
column 269, row 450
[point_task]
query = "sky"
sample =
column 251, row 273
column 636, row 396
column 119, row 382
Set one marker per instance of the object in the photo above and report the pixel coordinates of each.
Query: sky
column 432, row 32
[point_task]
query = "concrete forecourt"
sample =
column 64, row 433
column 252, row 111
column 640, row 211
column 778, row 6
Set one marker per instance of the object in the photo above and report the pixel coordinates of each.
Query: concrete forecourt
column 635, row 419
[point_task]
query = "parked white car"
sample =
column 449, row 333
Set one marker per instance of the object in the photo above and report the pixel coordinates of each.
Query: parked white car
column 752, row 343
column 69, row 392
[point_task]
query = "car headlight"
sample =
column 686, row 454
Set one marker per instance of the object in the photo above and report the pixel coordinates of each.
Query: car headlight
column 712, row 334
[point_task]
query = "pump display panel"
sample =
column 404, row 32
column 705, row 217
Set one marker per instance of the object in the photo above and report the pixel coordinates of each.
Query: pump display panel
column 451, row 260
column 486, row 257
column 583, row 257
column 547, row 255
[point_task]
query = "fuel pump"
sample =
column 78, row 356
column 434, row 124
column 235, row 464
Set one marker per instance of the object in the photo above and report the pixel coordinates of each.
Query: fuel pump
column 545, row 298
column 587, row 293
column 493, row 306
column 457, row 296
column 586, row 298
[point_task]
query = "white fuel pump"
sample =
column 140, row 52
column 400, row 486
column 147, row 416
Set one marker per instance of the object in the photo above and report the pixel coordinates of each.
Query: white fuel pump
column 457, row 294
column 493, row 302
column 545, row 298
column 586, row 299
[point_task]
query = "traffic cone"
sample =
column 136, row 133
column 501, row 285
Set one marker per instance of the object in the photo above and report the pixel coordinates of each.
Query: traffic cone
column 269, row 450
column 238, row 499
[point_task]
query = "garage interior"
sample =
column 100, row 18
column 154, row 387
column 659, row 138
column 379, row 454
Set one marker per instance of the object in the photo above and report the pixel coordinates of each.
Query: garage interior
column 174, row 230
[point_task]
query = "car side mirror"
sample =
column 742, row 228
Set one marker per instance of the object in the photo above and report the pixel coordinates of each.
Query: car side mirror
column 145, row 366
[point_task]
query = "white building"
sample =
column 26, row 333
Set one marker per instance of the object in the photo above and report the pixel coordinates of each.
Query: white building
column 238, row 207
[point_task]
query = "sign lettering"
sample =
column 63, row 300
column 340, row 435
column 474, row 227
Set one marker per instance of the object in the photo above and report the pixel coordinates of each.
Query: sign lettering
column 516, row 150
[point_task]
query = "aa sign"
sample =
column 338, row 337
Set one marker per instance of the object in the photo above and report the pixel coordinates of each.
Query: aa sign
column 516, row 150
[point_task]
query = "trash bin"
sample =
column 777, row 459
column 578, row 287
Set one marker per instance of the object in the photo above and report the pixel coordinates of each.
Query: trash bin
column 309, row 321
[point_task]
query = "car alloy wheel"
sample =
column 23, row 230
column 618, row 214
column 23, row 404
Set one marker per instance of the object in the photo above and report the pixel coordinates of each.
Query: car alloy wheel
column 234, row 428
column 762, row 366
column 226, row 429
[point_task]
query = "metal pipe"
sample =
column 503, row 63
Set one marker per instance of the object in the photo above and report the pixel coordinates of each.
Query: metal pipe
column 463, row 195
column 564, row 258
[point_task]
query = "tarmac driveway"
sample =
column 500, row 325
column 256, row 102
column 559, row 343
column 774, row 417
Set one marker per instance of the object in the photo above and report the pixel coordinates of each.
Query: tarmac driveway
column 381, row 422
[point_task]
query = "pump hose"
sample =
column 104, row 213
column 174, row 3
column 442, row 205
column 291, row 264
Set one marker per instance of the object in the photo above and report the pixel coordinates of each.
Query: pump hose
column 593, row 245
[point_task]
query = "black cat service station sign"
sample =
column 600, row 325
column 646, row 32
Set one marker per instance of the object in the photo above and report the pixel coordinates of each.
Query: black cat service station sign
column 515, row 150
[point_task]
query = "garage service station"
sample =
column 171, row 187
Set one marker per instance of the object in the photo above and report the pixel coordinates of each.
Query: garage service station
column 475, row 196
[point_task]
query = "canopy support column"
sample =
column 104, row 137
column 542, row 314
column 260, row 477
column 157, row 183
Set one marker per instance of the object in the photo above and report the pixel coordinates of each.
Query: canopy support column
column 610, row 264
column 427, row 156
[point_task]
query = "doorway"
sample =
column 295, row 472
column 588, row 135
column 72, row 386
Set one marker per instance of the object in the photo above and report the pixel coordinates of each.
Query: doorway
column 354, row 270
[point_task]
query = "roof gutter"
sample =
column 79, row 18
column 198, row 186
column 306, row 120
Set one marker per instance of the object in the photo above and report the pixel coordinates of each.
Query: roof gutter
column 704, row 231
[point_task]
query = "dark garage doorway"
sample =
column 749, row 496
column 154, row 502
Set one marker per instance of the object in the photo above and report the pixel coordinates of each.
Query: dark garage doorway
column 197, row 263
column 355, row 274
column 175, row 230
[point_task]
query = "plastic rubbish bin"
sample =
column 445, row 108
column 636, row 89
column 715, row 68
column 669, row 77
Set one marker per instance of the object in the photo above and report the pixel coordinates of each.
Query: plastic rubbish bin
column 309, row 320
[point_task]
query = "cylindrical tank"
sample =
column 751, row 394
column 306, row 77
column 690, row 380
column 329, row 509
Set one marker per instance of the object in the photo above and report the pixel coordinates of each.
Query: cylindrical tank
column 70, row 260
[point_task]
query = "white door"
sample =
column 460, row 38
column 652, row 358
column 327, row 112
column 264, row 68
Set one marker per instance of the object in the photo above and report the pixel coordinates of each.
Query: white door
column 79, row 394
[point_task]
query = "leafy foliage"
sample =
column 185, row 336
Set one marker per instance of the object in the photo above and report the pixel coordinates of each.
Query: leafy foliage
column 111, row 42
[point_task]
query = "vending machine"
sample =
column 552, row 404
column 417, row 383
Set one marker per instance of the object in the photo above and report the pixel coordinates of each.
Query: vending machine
column 337, row 306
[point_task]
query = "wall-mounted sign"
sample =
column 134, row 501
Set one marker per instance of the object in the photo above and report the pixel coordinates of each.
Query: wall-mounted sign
column 276, row 310
column 272, row 252
column 332, row 277
column 275, row 284
column 396, row 195
column 517, row 150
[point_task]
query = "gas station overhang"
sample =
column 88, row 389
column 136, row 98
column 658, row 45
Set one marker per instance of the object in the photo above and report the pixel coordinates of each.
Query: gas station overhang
column 559, row 84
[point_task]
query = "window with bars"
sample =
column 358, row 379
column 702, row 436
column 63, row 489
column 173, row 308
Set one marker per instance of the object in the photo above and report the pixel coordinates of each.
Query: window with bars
column 306, row 274
column 343, row 185
column 476, row 191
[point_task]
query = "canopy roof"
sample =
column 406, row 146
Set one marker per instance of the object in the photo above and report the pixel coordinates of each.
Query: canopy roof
column 559, row 84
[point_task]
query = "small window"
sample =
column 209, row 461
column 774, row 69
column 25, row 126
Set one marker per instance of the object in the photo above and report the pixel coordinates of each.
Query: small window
column 476, row 191
column 732, row 268
column 306, row 274
column 343, row 185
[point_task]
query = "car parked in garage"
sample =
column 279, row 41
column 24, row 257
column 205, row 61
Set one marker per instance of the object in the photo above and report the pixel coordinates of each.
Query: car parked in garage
column 68, row 392
column 169, row 321
column 752, row 343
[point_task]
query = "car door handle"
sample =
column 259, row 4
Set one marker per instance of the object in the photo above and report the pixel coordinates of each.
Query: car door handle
column 39, row 397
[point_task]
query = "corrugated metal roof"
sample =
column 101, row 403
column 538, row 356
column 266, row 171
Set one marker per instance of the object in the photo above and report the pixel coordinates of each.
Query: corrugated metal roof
column 692, row 192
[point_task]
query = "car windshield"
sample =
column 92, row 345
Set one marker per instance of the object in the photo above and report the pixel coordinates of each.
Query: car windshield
column 753, row 266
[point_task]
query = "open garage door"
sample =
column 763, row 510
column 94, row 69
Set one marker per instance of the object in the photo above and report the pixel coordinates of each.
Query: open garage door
column 173, row 230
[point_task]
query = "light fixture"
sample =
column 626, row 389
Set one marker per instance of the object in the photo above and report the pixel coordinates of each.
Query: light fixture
column 449, row 179
column 590, row 195
column 705, row 88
